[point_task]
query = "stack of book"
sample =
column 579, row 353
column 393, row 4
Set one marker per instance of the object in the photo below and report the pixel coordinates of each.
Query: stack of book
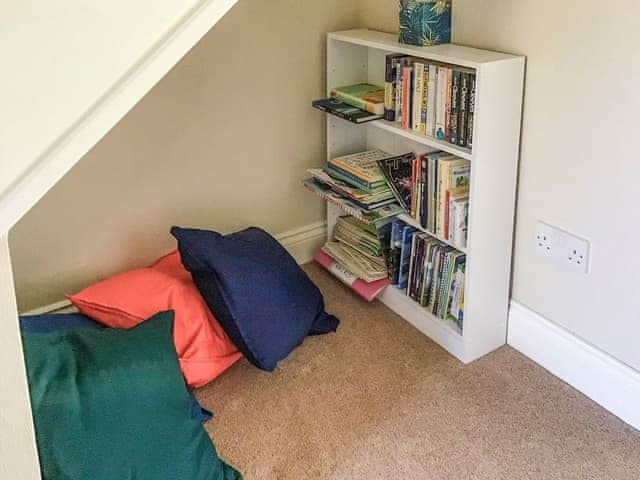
column 356, row 184
column 428, row 271
column 430, row 98
column 356, row 103
column 355, row 246
column 433, row 189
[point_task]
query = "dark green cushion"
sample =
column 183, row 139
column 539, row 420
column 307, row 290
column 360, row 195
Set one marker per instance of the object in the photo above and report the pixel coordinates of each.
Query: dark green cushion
column 111, row 405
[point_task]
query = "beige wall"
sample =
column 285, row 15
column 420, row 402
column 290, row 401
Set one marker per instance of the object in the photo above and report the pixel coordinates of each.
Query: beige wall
column 222, row 142
column 209, row 145
column 579, row 168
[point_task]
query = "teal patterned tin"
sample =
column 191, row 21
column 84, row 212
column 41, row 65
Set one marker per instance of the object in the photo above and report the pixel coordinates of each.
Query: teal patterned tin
column 425, row 23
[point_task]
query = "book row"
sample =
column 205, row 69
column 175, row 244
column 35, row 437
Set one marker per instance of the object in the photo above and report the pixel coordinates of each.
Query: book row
column 439, row 196
column 430, row 98
column 428, row 271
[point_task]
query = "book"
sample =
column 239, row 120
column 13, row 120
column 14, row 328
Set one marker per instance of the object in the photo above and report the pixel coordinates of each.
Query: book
column 407, row 72
column 362, row 95
column 391, row 66
column 361, row 168
column 367, row 290
column 452, row 172
column 397, row 173
column 455, row 106
column 432, row 94
column 453, row 197
column 345, row 111
column 349, row 207
column 405, row 256
column 395, row 244
column 417, row 97
column 355, row 262
column 360, row 197
column 425, row 100
column 463, row 109
column 441, row 103
column 472, row 109
column 448, row 100
column 458, row 220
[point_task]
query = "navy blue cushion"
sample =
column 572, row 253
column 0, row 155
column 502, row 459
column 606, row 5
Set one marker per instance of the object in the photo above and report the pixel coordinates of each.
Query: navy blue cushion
column 259, row 294
column 59, row 322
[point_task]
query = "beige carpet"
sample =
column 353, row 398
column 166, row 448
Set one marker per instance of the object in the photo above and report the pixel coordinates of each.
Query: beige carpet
column 378, row 400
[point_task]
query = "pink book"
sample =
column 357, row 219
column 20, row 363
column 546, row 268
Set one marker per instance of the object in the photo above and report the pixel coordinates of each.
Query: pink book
column 367, row 290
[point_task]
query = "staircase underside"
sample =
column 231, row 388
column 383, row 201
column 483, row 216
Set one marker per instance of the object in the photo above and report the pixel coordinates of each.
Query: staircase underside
column 71, row 70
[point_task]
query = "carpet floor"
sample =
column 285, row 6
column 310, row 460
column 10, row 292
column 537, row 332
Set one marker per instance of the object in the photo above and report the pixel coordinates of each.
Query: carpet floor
column 378, row 400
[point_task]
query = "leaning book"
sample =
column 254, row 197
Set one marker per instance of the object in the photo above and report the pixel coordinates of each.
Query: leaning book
column 345, row 111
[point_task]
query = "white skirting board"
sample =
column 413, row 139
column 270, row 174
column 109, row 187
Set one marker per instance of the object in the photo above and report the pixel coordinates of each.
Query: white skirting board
column 605, row 380
column 302, row 243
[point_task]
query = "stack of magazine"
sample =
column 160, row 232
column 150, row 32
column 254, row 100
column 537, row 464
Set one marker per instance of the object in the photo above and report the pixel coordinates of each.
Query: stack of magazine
column 356, row 185
column 357, row 249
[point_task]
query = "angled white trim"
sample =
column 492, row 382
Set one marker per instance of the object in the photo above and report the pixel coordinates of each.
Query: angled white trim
column 80, row 137
column 607, row 381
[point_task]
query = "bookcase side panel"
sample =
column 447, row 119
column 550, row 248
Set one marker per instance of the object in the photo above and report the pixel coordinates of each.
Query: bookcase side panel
column 498, row 116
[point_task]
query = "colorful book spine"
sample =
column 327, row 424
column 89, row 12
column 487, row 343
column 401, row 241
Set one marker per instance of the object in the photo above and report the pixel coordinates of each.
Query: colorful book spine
column 406, row 97
column 463, row 114
column 418, row 94
column 424, row 191
column 425, row 100
column 455, row 106
column 432, row 94
column 441, row 103
column 448, row 100
column 472, row 110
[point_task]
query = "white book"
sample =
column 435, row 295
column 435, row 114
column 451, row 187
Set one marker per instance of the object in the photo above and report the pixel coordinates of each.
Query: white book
column 441, row 103
column 431, row 100
column 418, row 92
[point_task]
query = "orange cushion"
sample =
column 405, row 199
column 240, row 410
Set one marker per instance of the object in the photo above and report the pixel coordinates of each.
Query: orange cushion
column 125, row 300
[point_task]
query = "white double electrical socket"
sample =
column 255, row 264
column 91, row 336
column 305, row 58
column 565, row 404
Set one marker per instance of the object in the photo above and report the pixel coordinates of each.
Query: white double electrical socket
column 568, row 250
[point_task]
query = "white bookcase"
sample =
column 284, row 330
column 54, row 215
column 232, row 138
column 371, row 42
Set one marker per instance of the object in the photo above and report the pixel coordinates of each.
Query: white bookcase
column 357, row 56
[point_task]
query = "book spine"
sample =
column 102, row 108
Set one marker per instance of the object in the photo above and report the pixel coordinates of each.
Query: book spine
column 432, row 95
column 448, row 95
column 413, row 189
column 455, row 106
column 418, row 89
column 406, row 96
column 425, row 100
column 399, row 88
column 412, row 266
column 472, row 109
column 389, row 103
column 463, row 109
column 445, row 227
column 423, row 191
column 418, row 191
column 441, row 103
column 349, row 175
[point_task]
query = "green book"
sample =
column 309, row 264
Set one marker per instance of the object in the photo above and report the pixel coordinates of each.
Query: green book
column 363, row 95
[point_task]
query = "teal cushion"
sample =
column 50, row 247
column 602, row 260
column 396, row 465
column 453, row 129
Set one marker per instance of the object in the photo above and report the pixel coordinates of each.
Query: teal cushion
column 111, row 405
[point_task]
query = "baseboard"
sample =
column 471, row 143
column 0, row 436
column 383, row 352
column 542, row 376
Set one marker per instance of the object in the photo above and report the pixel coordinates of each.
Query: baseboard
column 605, row 380
column 302, row 243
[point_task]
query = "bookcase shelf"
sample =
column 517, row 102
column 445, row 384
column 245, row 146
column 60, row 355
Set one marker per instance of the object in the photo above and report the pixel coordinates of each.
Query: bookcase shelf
column 358, row 56
column 423, row 139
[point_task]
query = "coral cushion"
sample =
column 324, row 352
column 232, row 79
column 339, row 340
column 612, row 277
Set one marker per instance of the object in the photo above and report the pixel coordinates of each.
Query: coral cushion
column 126, row 300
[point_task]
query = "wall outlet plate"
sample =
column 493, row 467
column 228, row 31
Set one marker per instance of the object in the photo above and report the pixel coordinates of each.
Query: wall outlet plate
column 566, row 249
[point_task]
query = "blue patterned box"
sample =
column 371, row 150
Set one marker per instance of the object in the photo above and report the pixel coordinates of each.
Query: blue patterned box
column 425, row 23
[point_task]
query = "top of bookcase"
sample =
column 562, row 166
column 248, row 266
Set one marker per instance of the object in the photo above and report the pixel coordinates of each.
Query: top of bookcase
column 446, row 53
